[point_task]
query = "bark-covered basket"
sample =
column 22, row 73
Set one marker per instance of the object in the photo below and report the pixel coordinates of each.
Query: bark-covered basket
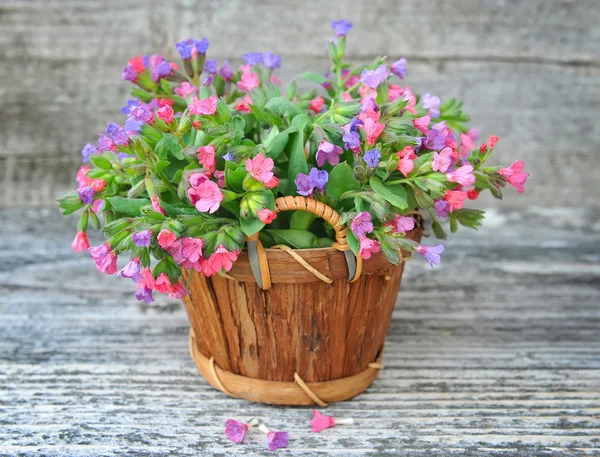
column 294, row 327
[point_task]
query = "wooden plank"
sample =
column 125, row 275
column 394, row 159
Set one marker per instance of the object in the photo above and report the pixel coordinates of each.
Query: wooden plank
column 495, row 351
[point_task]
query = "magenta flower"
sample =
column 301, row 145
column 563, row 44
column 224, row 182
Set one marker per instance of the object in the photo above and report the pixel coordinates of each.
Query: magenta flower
column 249, row 80
column 442, row 208
column 329, row 153
column 515, row 175
column 105, row 258
column 166, row 238
column 431, row 253
column 142, row 239
column 80, row 242
column 399, row 68
column 185, row 89
column 422, row 123
column 321, row 421
column 235, row 430
column 431, row 103
column 204, row 106
column 132, row 270
column 276, row 439
column 260, row 168
column 142, row 113
column 177, row 291
column 192, row 248
column 361, row 224
column 442, row 160
column 464, row 176
column 341, row 27
column 204, row 194
column 368, row 247
column 163, row 284
column 166, row 114
column 402, row 224
column 372, row 128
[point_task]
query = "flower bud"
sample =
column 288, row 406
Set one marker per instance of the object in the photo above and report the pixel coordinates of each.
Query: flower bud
column 252, row 203
column 252, row 184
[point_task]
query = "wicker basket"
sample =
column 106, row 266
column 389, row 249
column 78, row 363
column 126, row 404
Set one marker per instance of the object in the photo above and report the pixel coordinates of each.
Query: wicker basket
column 294, row 327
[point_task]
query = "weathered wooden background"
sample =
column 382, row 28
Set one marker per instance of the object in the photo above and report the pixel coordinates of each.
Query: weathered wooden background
column 529, row 72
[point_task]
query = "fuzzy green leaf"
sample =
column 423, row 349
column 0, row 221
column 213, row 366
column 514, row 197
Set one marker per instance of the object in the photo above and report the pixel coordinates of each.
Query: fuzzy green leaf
column 395, row 195
column 129, row 206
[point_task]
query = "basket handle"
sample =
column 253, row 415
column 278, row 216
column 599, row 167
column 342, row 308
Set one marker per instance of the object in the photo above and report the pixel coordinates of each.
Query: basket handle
column 258, row 256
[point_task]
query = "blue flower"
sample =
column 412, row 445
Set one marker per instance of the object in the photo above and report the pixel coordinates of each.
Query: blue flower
column 271, row 60
column 253, row 58
column 372, row 157
column 399, row 68
column 341, row 27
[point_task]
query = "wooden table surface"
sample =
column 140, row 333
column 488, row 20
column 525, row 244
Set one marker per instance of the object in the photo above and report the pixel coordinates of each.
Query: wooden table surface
column 496, row 351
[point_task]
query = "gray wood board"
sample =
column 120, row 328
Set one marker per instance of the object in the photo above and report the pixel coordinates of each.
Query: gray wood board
column 495, row 351
column 529, row 72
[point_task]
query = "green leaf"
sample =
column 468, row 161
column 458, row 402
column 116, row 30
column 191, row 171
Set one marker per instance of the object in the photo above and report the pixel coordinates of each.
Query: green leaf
column 291, row 91
column 295, row 151
column 160, row 166
column 265, row 117
column 469, row 217
column 395, row 195
column 251, row 226
column 301, row 220
column 282, row 106
column 438, row 231
column 234, row 176
column 299, row 239
column 238, row 123
column 341, row 180
column 168, row 145
column 100, row 162
column 353, row 242
column 315, row 77
column 177, row 209
column 274, row 147
column 128, row 206
column 422, row 165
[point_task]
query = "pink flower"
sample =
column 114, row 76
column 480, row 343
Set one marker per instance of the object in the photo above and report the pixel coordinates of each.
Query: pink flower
column 370, row 114
column 185, row 89
column 456, row 198
column 80, row 242
column 204, row 106
column 98, row 185
column 368, row 247
column 192, row 248
column 442, row 160
column 515, row 175
column 431, row 253
column 492, row 141
column 266, row 216
column 361, row 224
column 177, row 291
column 249, row 80
column 166, row 114
column 406, row 163
column 464, row 176
column 82, row 178
column 163, row 283
column 473, row 194
column 243, row 106
column 347, row 97
column 235, row 430
column 260, row 168
column 273, row 183
column 402, row 224
column 321, row 422
column 156, row 206
column 421, row 123
column 467, row 144
column 222, row 259
column 204, row 194
column 394, row 91
column 275, row 79
column 372, row 129
column 412, row 101
column 106, row 260
column 220, row 175
column 147, row 281
column 206, row 156
column 166, row 238
column 316, row 104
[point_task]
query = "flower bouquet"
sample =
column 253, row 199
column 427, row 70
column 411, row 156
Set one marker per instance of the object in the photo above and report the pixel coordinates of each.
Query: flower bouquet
column 281, row 217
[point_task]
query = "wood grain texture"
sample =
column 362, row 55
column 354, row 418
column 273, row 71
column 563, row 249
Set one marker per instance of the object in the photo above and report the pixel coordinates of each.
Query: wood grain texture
column 529, row 72
column 495, row 352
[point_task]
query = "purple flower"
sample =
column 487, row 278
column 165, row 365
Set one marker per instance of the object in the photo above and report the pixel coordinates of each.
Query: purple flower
column 86, row 194
column 304, row 184
column 351, row 136
column 132, row 125
column 105, row 143
column 271, row 60
column 442, row 208
column 399, row 68
column 431, row 253
column 142, row 113
column 367, row 104
column 229, row 157
column 318, row 178
column 129, row 74
column 117, row 133
column 124, row 155
column 226, row 71
column 372, row 157
column 145, row 294
column 187, row 47
column 341, row 27
column 373, row 78
column 132, row 103
column 87, row 151
column 235, row 430
column 432, row 103
column 329, row 153
column 161, row 69
column 435, row 140
column 277, row 440
column 253, row 58
column 211, row 65
column 142, row 239
column 132, row 270
column 361, row 224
